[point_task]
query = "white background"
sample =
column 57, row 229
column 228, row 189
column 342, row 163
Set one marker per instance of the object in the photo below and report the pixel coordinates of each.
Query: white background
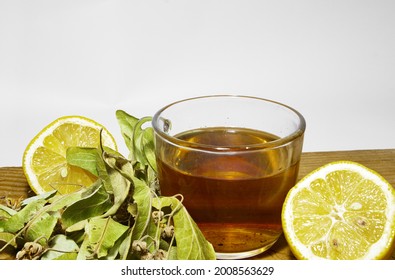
column 334, row 61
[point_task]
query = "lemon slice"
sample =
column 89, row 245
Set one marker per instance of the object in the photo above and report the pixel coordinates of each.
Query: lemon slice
column 44, row 160
column 340, row 211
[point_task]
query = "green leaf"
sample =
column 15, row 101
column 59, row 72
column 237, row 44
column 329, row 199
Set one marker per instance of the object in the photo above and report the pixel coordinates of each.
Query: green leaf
column 141, row 193
column 6, row 212
column 191, row 243
column 172, row 253
column 127, row 124
column 91, row 160
column 41, row 228
column 62, row 201
column 125, row 245
column 86, row 158
column 138, row 141
column 142, row 196
column 101, row 235
column 121, row 187
column 116, row 251
column 79, row 226
column 61, row 248
column 95, row 201
column 18, row 221
column 7, row 238
column 116, row 165
column 149, row 147
column 44, row 196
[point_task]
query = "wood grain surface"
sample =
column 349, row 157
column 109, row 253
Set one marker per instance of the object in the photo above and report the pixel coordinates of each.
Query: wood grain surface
column 13, row 182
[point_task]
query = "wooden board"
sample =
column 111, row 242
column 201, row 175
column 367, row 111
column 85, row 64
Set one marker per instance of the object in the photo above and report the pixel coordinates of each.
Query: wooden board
column 13, row 183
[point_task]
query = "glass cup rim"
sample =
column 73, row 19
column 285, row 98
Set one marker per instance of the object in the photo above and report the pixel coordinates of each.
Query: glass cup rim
column 251, row 147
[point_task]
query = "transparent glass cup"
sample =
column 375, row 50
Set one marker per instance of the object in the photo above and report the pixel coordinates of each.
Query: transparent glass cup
column 233, row 159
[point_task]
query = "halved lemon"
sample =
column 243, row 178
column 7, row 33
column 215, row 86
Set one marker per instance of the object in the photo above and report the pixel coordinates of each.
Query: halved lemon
column 44, row 160
column 340, row 211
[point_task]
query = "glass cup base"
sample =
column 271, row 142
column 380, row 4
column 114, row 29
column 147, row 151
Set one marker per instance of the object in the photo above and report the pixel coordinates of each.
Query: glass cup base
column 244, row 255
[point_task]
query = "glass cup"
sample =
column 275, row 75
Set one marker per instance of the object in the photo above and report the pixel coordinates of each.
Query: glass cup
column 233, row 159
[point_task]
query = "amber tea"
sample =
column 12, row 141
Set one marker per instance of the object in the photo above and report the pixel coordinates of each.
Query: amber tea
column 233, row 159
column 233, row 190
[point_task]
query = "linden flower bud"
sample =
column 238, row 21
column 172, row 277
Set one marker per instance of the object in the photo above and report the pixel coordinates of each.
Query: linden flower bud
column 30, row 251
column 160, row 255
column 139, row 246
column 168, row 232
column 147, row 256
column 21, row 255
column 157, row 216
column 35, row 248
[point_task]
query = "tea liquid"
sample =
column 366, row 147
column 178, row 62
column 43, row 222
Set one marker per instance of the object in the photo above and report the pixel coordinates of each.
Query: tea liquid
column 235, row 196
